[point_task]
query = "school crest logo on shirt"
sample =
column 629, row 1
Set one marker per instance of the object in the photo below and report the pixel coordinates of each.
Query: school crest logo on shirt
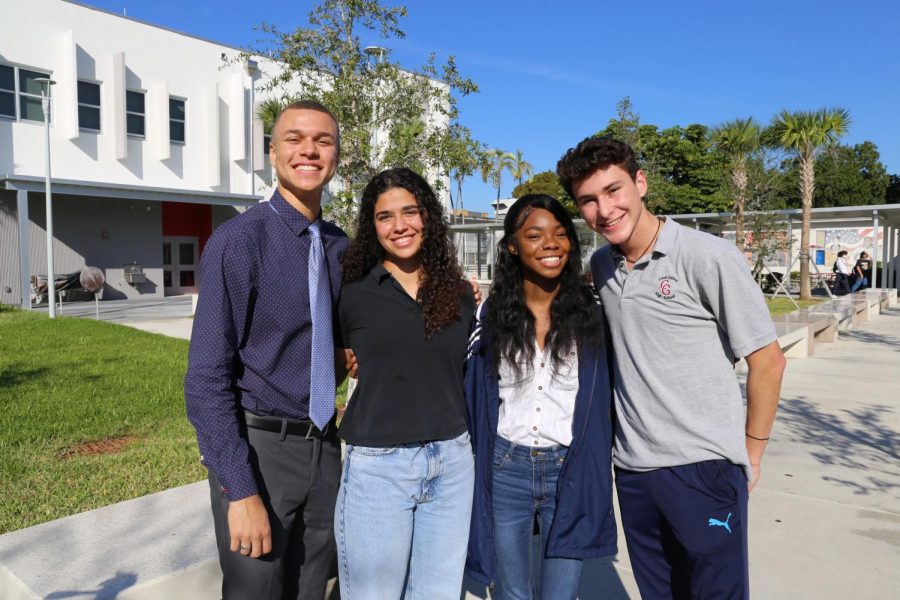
column 664, row 287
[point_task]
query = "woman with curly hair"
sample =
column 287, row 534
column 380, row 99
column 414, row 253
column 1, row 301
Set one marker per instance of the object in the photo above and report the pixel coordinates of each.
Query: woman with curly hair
column 404, row 505
column 538, row 391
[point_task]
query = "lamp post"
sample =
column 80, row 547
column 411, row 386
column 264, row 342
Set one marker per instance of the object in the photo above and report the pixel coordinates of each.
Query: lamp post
column 377, row 53
column 46, row 82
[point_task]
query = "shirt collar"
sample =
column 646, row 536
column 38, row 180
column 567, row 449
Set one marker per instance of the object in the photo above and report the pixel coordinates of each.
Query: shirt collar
column 293, row 218
column 379, row 273
column 668, row 233
column 665, row 241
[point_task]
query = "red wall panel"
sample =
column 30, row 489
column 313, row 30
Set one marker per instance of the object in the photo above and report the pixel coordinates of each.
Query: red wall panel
column 179, row 218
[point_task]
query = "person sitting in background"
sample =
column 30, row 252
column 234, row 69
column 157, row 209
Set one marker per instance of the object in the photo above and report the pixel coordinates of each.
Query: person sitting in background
column 841, row 275
column 861, row 271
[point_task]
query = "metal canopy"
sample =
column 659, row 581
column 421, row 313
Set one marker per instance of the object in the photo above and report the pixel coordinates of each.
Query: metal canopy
column 831, row 215
column 126, row 192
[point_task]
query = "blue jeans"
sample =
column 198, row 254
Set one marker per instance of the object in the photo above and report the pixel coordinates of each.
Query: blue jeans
column 525, row 486
column 860, row 282
column 402, row 520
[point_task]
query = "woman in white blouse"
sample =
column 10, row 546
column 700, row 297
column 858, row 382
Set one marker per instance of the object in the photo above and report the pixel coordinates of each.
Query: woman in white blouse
column 538, row 394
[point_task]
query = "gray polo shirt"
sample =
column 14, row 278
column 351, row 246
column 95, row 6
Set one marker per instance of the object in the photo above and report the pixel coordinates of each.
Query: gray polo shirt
column 679, row 321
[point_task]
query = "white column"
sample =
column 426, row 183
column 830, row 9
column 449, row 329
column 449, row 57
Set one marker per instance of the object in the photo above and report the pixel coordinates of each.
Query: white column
column 24, row 256
column 66, row 76
column 788, row 251
column 236, row 99
column 875, row 225
column 887, row 250
column 117, row 87
column 158, row 120
column 894, row 260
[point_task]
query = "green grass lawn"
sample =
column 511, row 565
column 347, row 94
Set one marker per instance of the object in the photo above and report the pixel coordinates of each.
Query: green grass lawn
column 781, row 305
column 71, row 381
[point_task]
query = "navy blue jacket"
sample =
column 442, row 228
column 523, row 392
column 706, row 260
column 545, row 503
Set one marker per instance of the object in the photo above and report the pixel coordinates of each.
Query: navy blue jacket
column 584, row 525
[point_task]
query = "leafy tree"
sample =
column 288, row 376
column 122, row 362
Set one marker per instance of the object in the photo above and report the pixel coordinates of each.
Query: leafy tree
column 493, row 163
column 851, row 176
column 765, row 231
column 683, row 175
column 845, row 176
column 805, row 134
column 389, row 116
column 738, row 140
column 464, row 155
column 546, row 182
column 892, row 196
column 522, row 169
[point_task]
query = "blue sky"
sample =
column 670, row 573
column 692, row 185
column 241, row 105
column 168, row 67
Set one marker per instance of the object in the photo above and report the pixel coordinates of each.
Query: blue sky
column 551, row 73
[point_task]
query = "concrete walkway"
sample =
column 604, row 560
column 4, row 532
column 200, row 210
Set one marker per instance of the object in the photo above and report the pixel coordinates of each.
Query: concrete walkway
column 825, row 518
column 171, row 316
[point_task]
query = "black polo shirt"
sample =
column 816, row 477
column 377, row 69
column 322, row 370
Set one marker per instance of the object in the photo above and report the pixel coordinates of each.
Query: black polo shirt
column 410, row 389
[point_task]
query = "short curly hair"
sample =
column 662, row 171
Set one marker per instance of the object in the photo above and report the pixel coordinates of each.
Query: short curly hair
column 441, row 283
column 593, row 154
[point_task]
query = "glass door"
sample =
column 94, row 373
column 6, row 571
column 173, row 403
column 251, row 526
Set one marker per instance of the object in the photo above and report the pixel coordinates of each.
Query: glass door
column 180, row 256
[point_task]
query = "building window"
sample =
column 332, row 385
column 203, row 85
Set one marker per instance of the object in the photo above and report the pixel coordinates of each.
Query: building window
column 176, row 120
column 88, row 106
column 135, row 113
column 7, row 91
column 267, row 139
column 30, row 95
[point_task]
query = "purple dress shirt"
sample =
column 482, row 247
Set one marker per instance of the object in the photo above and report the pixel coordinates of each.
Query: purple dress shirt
column 252, row 336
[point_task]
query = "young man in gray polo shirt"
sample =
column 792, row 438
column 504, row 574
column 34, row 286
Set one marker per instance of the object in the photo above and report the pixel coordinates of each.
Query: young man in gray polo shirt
column 682, row 309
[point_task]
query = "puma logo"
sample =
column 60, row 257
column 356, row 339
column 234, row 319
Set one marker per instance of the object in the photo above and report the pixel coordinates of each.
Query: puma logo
column 718, row 523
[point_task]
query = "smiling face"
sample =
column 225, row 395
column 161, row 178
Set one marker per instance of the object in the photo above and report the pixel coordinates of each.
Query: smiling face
column 399, row 225
column 610, row 203
column 304, row 150
column 542, row 245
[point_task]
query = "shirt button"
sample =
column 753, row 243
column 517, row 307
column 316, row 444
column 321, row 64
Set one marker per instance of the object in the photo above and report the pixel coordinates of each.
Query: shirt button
column 538, row 409
column 534, row 428
column 542, row 364
column 540, row 387
column 535, row 442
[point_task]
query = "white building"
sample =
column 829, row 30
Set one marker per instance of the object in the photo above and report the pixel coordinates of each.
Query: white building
column 154, row 143
column 152, row 146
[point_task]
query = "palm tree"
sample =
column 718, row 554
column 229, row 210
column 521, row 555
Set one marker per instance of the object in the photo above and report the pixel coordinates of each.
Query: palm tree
column 268, row 110
column 737, row 140
column 805, row 134
column 494, row 162
column 522, row 170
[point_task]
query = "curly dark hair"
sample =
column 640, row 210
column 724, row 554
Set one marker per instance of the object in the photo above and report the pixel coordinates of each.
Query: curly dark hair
column 441, row 283
column 572, row 315
column 592, row 154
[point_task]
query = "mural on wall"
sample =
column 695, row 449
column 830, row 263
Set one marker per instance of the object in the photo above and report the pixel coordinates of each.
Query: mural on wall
column 824, row 245
column 853, row 240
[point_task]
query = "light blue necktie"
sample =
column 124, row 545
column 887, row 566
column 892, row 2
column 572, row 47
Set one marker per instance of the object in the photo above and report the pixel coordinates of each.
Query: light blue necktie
column 321, row 375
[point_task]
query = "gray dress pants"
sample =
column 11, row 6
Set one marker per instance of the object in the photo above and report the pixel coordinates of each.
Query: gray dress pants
column 298, row 479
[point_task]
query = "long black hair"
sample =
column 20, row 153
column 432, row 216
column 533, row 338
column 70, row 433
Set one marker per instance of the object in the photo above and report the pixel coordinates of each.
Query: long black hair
column 573, row 319
column 441, row 282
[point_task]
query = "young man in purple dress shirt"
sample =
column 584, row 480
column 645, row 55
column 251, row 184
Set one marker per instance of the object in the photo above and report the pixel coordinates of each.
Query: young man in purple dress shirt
column 273, row 474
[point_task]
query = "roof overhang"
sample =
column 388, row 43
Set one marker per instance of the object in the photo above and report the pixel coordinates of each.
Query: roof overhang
column 834, row 216
column 72, row 187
